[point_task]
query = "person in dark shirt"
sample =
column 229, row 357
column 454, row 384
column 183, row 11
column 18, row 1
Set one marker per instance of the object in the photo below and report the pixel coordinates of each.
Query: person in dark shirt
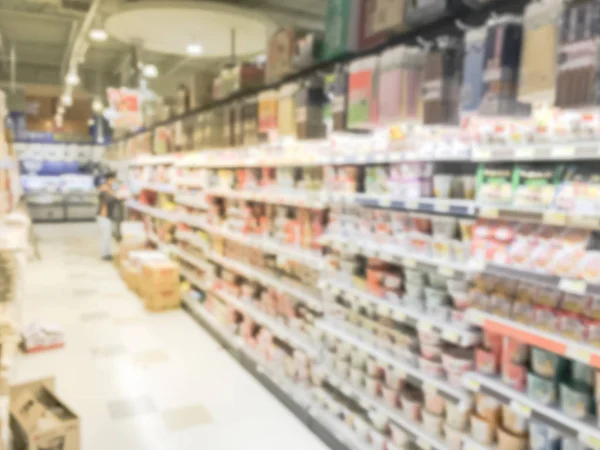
column 105, row 200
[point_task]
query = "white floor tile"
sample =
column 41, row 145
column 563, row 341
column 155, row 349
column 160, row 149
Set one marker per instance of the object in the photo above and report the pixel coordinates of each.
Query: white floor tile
column 116, row 351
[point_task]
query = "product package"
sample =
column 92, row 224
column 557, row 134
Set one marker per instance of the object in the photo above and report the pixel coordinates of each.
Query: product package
column 537, row 76
column 425, row 11
column 362, row 89
column 336, row 87
column 578, row 61
column 379, row 19
column 310, row 101
column 341, row 27
column 281, row 49
column 442, row 81
column 250, row 120
column 535, row 184
column 501, row 66
column 286, row 111
column 494, row 183
column 472, row 84
column 268, row 110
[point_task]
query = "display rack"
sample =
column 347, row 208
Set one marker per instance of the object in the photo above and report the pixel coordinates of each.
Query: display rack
column 407, row 282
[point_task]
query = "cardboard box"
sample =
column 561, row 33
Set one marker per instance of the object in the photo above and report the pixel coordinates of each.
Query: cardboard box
column 163, row 274
column 40, row 420
column 132, row 276
column 127, row 246
column 162, row 299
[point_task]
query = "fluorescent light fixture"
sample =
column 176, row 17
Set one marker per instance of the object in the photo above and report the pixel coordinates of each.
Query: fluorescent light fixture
column 67, row 99
column 72, row 78
column 98, row 35
column 150, row 71
column 193, row 49
column 97, row 105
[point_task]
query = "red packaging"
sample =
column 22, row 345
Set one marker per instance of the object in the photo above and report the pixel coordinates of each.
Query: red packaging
column 514, row 375
column 487, row 362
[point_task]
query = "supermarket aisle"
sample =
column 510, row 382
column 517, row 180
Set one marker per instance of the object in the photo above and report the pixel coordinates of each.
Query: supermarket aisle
column 141, row 381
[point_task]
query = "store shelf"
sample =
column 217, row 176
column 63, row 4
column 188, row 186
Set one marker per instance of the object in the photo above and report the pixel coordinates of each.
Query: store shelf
column 551, row 342
column 415, row 431
column 588, row 433
column 538, row 152
column 194, row 279
column 190, row 181
column 301, row 255
column 412, row 374
column 193, row 239
column 426, row 205
column 462, row 336
column 281, row 331
column 164, row 188
column 191, row 201
column 569, row 285
column 268, row 280
column 543, row 216
column 154, row 160
column 193, row 260
column 312, row 200
column 158, row 213
column 285, row 391
column 365, row 246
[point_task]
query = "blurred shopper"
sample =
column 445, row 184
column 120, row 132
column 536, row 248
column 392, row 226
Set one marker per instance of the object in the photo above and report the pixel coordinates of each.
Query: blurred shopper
column 106, row 194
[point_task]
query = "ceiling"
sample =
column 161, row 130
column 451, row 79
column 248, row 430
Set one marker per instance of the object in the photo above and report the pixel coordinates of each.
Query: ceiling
column 42, row 33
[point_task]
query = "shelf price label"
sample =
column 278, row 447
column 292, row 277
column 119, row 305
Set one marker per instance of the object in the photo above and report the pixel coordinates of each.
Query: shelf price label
column 521, row 409
column 590, row 441
column 471, row 384
column 577, row 287
column 563, row 152
column 554, row 218
column 490, row 213
column 579, row 353
column 524, row 153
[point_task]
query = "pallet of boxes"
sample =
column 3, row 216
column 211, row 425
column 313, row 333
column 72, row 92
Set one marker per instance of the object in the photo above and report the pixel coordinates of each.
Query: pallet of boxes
column 151, row 275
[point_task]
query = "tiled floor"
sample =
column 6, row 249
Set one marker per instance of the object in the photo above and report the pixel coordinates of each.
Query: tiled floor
column 141, row 381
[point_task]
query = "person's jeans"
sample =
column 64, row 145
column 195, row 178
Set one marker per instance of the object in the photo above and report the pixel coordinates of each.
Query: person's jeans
column 105, row 235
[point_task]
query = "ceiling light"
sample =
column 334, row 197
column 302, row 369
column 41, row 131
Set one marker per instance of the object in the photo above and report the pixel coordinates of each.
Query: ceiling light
column 150, row 71
column 98, row 35
column 193, row 49
column 97, row 105
column 60, row 110
column 91, row 122
column 67, row 99
column 72, row 78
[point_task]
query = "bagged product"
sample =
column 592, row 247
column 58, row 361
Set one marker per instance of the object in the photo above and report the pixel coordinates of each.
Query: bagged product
column 379, row 19
column 341, row 27
column 400, row 80
column 495, row 183
column 535, row 184
column 362, row 84
column 578, row 60
column 501, row 66
column 537, row 77
column 419, row 12
column 286, row 112
column 443, row 68
column 472, row 85
column 281, row 49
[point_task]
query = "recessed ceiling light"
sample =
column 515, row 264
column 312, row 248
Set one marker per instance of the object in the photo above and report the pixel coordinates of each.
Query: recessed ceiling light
column 194, row 49
column 67, row 99
column 72, row 78
column 98, row 35
column 97, row 105
column 150, row 71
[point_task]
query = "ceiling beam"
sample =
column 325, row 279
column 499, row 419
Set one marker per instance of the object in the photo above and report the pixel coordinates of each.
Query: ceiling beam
column 28, row 15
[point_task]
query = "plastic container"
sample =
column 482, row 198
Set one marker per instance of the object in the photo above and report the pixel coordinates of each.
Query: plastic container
column 431, row 352
column 392, row 281
column 456, row 417
column 453, row 437
column 444, row 226
column 576, row 401
column 466, row 229
column 483, row 431
column 394, row 378
column 390, row 396
column 514, row 422
column 435, row 297
column 460, row 299
column 461, row 251
column 541, row 389
column 434, row 403
column 372, row 385
column 458, row 360
column 432, row 423
column 442, row 185
column 431, row 368
column 399, row 436
column 546, row 364
column 442, row 248
column 428, row 337
column 510, row 441
column 412, row 404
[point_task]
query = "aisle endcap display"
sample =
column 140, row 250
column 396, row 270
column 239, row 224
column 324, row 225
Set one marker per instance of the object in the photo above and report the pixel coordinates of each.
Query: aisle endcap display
column 449, row 331
column 587, row 433
column 551, row 342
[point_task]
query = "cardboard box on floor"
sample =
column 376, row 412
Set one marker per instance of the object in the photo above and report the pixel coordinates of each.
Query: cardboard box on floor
column 40, row 420
column 131, row 276
column 160, row 289
column 128, row 246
